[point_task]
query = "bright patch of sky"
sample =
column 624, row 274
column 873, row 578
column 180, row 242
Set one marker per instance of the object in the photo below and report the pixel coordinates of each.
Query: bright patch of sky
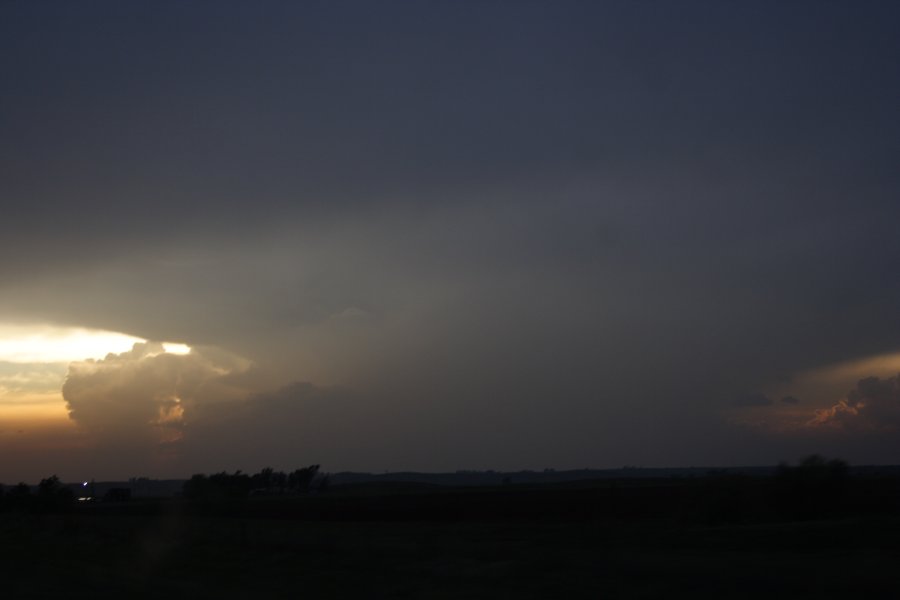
column 30, row 344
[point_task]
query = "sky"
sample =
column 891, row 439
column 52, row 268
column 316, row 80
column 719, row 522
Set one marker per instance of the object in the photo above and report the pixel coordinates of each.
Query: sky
column 447, row 235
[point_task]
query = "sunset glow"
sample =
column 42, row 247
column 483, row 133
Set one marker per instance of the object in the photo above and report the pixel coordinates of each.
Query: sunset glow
column 49, row 344
column 31, row 344
column 35, row 360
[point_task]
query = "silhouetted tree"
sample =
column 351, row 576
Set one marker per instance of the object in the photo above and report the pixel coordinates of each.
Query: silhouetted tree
column 239, row 485
column 197, row 487
column 301, row 479
column 813, row 489
column 49, row 486
column 22, row 489
column 53, row 495
column 263, row 479
column 18, row 497
column 280, row 480
column 218, row 486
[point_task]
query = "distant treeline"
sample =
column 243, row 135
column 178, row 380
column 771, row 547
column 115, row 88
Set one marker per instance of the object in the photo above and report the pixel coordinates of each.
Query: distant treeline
column 241, row 485
column 815, row 488
column 51, row 496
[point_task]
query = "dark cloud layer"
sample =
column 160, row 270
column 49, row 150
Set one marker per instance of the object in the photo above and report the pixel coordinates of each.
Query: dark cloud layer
column 560, row 231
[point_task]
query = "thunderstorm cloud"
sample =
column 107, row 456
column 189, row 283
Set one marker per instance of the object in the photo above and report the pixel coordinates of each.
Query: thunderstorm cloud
column 873, row 405
column 147, row 394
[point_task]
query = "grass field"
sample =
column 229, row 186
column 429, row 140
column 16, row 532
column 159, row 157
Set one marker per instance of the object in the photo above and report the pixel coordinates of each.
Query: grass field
column 176, row 550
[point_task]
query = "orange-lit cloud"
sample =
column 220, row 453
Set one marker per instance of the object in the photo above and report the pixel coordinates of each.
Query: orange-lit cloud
column 873, row 405
column 146, row 395
column 857, row 395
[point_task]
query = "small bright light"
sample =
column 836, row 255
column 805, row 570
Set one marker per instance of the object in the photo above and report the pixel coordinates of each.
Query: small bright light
column 84, row 484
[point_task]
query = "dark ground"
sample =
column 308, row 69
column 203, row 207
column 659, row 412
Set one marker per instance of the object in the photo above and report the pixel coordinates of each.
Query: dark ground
column 729, row 538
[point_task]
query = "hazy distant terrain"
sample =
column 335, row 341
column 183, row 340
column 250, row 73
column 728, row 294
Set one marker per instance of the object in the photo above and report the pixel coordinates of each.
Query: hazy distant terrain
column 142, row 487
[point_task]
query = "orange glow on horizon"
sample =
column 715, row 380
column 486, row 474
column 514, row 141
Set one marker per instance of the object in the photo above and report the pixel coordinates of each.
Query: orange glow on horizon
column 40, row 408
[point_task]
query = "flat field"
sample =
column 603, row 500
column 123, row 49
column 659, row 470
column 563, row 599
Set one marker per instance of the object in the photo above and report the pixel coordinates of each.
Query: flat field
column 436, row 544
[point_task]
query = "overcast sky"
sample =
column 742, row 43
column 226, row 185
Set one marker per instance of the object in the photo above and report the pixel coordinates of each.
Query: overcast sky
column 450, row 235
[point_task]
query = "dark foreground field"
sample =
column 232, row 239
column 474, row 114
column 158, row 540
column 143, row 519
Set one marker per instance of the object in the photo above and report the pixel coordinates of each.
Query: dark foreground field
column 604, row 540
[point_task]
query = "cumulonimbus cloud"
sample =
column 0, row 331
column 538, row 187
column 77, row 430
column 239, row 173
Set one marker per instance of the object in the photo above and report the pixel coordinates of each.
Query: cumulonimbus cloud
column 147, row 394
column 874, row 404
column 207, row 409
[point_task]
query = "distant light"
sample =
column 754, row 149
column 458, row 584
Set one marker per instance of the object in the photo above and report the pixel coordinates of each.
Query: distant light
column 84, row 484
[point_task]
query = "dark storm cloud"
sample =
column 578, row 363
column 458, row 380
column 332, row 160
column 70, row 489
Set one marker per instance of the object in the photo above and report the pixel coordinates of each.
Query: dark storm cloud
column 790, row 400
column 604, row 217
